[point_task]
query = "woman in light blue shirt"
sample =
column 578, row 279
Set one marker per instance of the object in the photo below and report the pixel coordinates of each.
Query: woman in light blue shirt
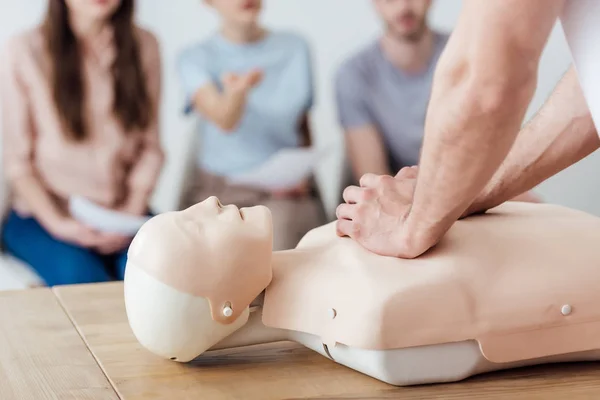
column 253, row 90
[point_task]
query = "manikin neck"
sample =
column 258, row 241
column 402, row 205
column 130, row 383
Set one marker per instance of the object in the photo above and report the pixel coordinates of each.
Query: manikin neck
column 412, row 57
column 254, row 331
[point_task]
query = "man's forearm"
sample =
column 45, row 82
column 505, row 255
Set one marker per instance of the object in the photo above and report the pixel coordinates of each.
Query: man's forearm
column 464, row 145
column 560, row 134
column 483, row 85
column 366, row 152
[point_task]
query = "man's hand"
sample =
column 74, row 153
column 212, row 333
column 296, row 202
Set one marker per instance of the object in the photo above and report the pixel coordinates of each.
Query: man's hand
column 374, row 213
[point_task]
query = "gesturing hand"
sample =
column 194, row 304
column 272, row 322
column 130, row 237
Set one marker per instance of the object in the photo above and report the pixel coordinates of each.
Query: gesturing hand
column 375, row 213
column 241, row 82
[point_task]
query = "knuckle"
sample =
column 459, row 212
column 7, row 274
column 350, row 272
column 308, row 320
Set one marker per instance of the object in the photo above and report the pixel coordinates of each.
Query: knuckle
column 369, row 194
column 361, row 212
column 385, row 180
column 364, row 195
column 404, row 172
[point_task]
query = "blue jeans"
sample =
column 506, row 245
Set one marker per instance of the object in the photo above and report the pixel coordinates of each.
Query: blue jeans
column 56, row 262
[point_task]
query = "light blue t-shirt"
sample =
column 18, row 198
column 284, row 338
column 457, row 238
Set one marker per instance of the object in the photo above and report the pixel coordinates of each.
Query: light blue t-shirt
column 274, row 108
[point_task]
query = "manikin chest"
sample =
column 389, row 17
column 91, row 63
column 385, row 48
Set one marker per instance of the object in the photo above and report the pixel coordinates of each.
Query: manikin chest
column 521, row 281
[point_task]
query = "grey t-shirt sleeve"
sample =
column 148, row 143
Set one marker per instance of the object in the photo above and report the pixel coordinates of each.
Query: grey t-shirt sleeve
column 349, row 93
column 193, row 74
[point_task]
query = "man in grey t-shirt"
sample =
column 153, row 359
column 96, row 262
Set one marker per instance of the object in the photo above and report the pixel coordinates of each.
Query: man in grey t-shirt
column 383, row 91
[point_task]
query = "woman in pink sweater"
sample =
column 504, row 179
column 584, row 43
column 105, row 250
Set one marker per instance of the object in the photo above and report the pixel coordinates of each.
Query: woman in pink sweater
column 79, row 96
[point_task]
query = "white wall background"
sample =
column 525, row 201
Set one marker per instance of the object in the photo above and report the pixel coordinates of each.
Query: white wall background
column 336, row 28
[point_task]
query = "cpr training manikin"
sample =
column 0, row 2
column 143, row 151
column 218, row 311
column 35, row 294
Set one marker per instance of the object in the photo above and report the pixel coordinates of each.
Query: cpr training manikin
column 516, row 286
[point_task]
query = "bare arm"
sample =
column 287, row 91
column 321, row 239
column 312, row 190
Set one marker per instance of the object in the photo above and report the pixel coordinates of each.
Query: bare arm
column 366, row 151
column 561, row 133
column 18, row 137
column 484, row 82
column 225, row 108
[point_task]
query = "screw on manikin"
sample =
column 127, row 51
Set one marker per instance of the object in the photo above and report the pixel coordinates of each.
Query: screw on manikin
column 227, row 310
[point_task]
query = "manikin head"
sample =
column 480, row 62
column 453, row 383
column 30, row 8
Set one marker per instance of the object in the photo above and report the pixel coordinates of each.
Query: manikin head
column 240, row 14
column 404, row 19
column 192, row 274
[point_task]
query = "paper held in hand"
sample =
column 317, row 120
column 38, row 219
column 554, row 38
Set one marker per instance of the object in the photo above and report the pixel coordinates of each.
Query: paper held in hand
column 103, row 219
column 284, row 170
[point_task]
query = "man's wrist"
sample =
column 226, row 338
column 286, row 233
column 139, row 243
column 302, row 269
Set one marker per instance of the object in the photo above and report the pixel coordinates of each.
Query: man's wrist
column 417, row 236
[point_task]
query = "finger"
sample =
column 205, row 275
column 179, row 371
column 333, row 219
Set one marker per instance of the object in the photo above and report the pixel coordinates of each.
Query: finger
column 228, row 77
column 346, row 227
column 345, row 211
column 369, row 180
column 253, row 77
column 407, row 173
column 352, row 194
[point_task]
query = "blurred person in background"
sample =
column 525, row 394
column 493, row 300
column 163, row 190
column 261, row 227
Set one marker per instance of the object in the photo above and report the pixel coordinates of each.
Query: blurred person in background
column 383, row 91
column 253, row 90
column 79, row 96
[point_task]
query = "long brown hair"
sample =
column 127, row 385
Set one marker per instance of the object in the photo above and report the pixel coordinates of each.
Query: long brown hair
column 132, row 105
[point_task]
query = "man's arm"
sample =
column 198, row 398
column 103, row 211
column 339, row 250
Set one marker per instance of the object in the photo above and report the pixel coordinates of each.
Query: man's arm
column 483, row 84
column 560, row 134
column 364, row 144
column 366, row 151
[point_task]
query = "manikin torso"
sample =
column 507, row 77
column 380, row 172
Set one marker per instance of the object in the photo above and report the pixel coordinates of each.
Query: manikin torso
column 501, row 278
column 500, row 290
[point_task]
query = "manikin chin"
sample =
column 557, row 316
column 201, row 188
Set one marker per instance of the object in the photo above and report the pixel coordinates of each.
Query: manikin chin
column 517, row 286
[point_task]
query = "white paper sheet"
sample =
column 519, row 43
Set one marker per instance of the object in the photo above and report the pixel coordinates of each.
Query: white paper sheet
column 284, row 170
column 103, row 219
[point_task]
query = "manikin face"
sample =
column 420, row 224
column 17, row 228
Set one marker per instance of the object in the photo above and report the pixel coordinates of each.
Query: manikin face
column 405, row 19
column 93, row 10
column 237, row 12
column 192, row 274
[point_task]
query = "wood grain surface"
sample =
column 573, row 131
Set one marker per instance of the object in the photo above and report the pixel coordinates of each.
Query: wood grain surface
column 282, row 371
column 42, row 356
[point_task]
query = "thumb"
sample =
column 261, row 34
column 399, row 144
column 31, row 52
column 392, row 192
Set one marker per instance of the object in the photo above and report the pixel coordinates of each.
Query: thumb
column 253, row 77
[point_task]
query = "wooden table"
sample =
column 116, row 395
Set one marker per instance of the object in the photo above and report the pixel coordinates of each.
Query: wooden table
column 74, row 343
